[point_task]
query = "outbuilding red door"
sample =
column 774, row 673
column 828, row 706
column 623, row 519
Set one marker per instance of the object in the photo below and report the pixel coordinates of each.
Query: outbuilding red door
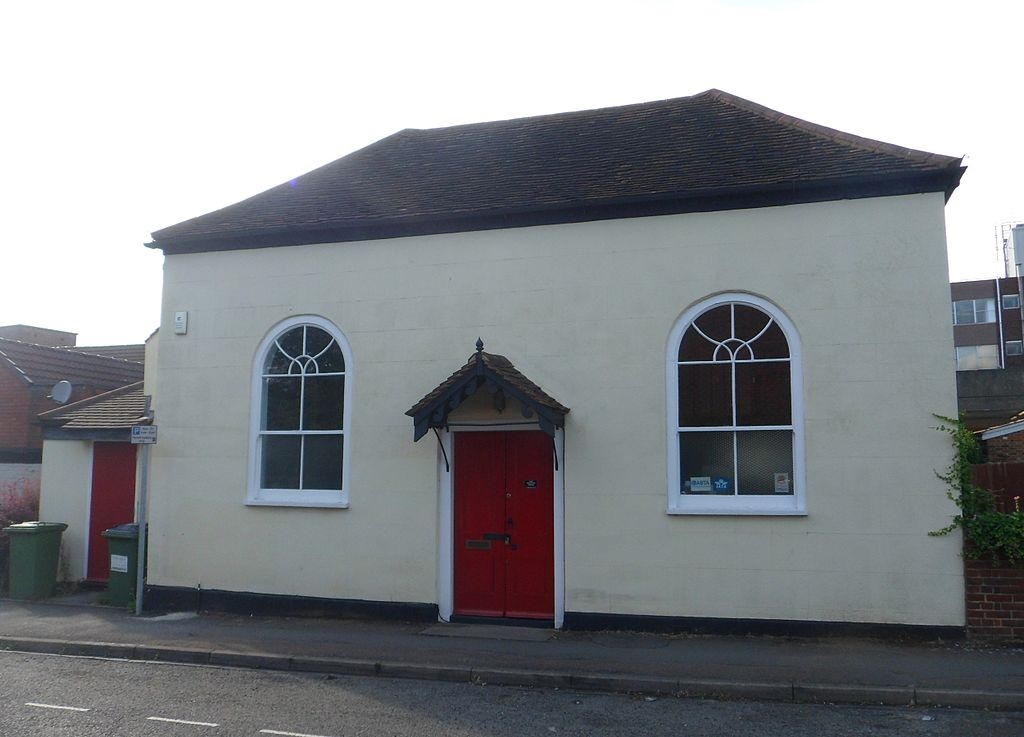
column 112, row 503
column 504, row 525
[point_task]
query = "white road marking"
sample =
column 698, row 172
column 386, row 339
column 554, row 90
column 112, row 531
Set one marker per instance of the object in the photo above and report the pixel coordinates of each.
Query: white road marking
column 55, row 706
column 182, row 721
column 289, row 734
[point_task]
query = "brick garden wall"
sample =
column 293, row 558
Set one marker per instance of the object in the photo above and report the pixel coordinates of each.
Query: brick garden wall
column 995, row 592
column 995, row 599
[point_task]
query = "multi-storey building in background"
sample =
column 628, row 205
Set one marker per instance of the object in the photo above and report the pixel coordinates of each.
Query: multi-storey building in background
column 987, row 324
column 988, row 339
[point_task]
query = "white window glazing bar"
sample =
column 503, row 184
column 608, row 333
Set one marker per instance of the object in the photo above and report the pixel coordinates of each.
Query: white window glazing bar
column 733, row 360
column 735, row 428
column 286, row 376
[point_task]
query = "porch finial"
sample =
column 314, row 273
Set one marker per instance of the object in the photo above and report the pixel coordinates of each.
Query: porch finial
column 479, row 345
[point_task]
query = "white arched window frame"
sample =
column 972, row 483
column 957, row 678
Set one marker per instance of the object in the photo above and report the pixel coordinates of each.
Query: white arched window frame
column 730, row 499
column 299, row 440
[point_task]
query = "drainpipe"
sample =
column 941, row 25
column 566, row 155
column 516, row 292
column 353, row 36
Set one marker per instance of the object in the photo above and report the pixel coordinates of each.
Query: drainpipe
column 999, row 312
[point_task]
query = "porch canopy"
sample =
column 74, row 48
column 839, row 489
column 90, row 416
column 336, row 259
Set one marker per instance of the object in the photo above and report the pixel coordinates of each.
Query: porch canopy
column 500, row 378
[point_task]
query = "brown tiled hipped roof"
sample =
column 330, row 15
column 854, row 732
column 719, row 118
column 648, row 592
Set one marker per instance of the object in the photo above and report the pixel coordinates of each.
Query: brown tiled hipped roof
column 39, row 364
column 114, row 410
column 710, row 151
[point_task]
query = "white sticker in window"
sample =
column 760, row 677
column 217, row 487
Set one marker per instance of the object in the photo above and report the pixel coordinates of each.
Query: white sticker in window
column 700, row 484
column 119, row 564
column 782, row 483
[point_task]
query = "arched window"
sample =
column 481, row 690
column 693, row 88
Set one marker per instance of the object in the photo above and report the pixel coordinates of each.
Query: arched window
column 735, row 410
column 302, row 383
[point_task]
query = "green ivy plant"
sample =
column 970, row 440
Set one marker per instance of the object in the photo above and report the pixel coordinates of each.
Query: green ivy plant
column 993, row 535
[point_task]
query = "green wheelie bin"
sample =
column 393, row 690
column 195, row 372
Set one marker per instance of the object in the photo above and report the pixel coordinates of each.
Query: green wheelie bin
column 123, row 542
column 35, row 555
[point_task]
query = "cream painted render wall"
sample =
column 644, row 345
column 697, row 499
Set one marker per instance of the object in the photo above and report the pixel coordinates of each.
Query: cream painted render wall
column 149, row 376
column 585, row 310
column 65, row 492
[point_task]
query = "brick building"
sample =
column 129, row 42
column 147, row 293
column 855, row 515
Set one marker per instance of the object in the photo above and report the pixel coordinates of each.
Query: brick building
column 28, row 373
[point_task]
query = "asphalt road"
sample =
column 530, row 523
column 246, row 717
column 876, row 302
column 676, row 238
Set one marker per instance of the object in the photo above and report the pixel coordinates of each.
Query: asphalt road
column 42, row 695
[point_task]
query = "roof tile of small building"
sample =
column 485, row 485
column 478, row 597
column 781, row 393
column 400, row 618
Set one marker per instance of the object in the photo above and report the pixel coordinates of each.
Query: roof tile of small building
column 114, row 410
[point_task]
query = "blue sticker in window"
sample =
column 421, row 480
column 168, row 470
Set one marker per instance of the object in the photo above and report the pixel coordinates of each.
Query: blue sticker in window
column 722, row 485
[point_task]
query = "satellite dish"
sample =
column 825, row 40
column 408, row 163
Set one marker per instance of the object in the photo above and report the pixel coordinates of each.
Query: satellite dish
column 61, row 392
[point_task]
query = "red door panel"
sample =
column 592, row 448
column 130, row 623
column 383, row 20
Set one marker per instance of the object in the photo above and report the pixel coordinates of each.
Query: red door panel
column 113, row 500
column 529, row 506
column 479, row 518
column 504, row 525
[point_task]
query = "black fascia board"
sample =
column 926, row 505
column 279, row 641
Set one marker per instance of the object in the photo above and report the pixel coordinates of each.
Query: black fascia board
column 710, row 200
column 423, row 420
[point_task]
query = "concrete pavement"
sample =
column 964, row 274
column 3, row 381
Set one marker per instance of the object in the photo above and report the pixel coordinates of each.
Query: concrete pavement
column 836, row 670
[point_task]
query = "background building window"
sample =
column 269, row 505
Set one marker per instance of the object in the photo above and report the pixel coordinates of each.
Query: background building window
column 736, row 440
column 1011, row 301
column 974, row 357
column 974, row 311
column 301, row 419
column 1014, row 348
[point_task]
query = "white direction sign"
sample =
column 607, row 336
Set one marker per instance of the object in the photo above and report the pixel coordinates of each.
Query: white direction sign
column 143, row 434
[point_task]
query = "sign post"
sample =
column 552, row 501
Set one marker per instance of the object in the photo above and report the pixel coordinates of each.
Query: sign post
column 144, row 435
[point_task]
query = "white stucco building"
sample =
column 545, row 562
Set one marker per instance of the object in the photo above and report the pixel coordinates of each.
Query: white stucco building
column 694, row 406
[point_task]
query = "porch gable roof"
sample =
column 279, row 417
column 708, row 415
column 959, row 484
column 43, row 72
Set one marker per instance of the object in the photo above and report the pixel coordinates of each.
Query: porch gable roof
column 495, row 373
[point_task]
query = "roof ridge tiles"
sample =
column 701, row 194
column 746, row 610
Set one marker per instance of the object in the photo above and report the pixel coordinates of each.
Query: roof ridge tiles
column 104, row 355
column 71, row 349
column 16, row 367
column 562, row 115
column 81, row 348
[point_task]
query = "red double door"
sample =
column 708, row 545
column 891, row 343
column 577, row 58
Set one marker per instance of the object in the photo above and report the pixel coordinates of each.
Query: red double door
column 504, row 525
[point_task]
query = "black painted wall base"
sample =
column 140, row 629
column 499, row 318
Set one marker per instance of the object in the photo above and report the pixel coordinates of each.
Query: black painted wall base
column 175, row 598
column 594, row 621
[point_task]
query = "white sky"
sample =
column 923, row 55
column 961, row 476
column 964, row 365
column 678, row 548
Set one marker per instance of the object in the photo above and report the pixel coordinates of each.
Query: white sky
column 120, row 118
